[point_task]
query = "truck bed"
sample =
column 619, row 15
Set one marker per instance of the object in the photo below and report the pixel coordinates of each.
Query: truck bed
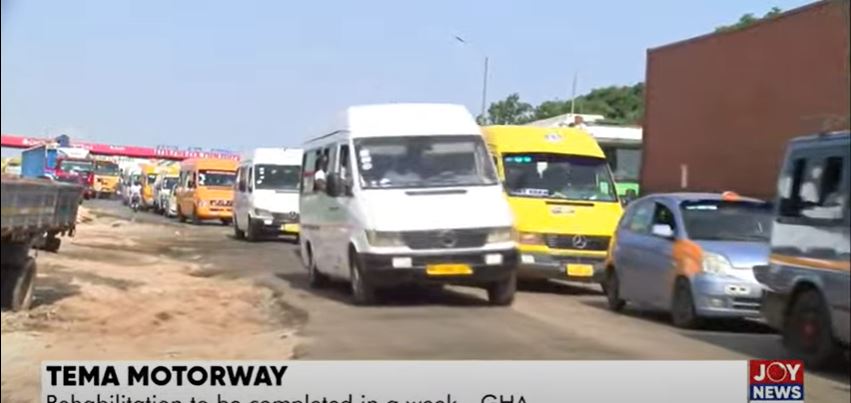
column 33, row 207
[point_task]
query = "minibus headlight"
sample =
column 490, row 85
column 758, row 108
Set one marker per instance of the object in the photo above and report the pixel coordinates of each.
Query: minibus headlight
column 531, row 238
column 259, row 212
column 384, row 238
column 497, row 235
column 714, row 263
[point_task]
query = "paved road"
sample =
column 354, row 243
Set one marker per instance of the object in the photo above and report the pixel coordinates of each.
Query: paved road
column 556, row 321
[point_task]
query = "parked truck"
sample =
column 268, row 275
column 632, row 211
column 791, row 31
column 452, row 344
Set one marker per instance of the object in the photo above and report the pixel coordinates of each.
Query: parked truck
column 62, row 164
column 720, row 108
column 34, row 213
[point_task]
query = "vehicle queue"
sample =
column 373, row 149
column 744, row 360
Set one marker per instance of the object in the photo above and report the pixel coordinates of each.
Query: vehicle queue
column 401, row 194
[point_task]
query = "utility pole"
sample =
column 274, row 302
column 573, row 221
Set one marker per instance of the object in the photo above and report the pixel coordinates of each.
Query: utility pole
column 485, row 92
column 573, row 96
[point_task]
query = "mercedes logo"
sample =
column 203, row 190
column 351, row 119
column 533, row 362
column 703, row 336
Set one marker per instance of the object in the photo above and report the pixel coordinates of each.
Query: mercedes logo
column 579, row 241
column 448, row 239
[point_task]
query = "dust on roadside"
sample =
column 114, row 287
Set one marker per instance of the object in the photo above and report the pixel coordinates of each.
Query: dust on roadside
column 113, row 292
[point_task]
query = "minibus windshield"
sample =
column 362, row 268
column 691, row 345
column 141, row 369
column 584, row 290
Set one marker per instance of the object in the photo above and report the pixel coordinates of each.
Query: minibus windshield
column 169, row 182
column 277, row 177
column 209, row 177
column 424, row 161
column 558, row 176
column 106, row 168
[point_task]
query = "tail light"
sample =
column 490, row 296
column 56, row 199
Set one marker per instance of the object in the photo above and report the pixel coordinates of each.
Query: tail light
column 90, row 179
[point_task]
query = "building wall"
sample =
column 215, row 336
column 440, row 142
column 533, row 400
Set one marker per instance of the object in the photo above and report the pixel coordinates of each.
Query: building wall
column 724, row 105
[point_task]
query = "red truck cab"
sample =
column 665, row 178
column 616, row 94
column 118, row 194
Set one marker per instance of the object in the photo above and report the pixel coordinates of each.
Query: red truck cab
column 76, row 170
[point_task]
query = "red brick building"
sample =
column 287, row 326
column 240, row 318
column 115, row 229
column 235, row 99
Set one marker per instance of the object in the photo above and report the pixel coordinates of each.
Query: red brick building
column 719, row 108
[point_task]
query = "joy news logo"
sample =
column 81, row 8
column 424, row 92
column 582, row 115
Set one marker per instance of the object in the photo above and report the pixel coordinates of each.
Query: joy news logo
column 776, row 380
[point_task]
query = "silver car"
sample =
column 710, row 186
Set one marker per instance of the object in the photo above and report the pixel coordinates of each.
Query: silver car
column 691, row 254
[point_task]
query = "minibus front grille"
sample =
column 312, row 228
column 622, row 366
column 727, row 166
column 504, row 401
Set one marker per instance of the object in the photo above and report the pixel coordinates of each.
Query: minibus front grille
column 577, row 242
column 446, row 239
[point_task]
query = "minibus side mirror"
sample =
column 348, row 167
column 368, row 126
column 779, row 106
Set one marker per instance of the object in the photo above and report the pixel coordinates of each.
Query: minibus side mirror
column 332, row 184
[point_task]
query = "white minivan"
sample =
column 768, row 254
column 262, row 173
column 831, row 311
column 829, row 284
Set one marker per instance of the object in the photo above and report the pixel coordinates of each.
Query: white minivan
column 401, row 194
column 266, row 196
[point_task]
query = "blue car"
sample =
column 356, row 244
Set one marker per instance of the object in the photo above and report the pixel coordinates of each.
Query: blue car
column 691, row 254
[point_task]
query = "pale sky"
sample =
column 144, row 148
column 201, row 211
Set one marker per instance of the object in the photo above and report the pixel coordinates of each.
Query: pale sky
column 238, row 75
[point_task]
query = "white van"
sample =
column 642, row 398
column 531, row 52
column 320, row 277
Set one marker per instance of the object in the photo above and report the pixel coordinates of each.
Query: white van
column 405, row 193
column 266, row 193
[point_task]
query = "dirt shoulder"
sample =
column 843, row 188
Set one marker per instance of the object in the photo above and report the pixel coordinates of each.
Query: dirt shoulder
column 114, row 292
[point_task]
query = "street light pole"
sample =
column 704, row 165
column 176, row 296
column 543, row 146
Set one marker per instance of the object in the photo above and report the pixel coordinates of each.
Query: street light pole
column 485, row 92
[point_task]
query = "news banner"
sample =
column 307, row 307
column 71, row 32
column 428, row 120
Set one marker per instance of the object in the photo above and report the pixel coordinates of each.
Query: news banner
column 421, row 381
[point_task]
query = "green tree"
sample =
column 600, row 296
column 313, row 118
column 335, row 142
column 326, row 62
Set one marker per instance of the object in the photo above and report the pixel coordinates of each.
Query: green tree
column 749, row 19
column 509, row 111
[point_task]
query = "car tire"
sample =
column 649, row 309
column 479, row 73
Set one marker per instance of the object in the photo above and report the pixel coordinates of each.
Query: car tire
column 251, row 232
column 315, row 278
column 807, row 331
column 613, row 291
column 683, row 313
column 17, row 285
column 237, row 233
column 195, row 219
column 502, row 292
column 363, row 293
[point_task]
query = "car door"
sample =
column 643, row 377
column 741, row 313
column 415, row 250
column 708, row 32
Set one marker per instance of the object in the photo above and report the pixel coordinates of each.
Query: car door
column 326, row 252
column 341, row 207
column 627, row 253
column 658, row 262
column 240, row 209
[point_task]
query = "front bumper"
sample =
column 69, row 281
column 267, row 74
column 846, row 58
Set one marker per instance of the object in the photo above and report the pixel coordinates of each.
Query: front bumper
column 215, row 212
column 726, row 297
column 272, row 226
column 378, row 269
column 773, row 309
column 536, row 265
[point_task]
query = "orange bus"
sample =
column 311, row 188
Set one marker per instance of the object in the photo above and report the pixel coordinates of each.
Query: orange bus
column 205, row 190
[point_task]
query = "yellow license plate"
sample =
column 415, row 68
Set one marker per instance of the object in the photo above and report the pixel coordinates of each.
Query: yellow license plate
column 580, row 270
column 449, row 270
column 289, row 228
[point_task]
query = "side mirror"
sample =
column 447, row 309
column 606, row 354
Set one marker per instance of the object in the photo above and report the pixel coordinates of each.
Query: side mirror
column 332, row 185
column 662, row 231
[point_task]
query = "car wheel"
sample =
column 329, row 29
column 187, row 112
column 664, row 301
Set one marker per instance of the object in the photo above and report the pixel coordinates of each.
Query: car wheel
column 807, row 330
column 251, row 231
column 315, row 278
column 683, row 313
column 362, row 292
column 195, row 219
column 17, row 285
column 237, row 233
column 613, row 291
column 502, row 293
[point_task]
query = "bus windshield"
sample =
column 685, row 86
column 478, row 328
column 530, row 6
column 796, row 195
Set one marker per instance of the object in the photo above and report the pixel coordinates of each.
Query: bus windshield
column 209, row 177
column 625, row 162
column 558, row 176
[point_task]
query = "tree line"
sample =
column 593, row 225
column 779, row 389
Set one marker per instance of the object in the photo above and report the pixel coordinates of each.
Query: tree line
column 621, row 105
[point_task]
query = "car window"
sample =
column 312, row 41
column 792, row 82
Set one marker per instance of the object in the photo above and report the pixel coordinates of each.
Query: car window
column 641, row 217
column 664, row 216
column 812, row 188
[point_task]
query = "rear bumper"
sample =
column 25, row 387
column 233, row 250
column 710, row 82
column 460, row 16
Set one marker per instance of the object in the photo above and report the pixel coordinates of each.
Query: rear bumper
column 726, row 297
column 551, row 266
column 378, row 269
